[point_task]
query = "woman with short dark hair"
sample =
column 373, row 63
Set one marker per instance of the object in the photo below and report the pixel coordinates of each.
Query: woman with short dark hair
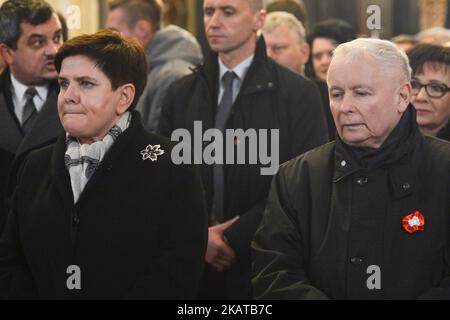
column 431, row 88
column 103, row 213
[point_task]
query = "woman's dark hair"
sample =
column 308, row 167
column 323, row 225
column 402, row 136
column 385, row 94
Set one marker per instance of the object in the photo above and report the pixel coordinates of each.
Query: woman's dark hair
column 437, row 56
column 338, row 30
column 122, row 61
column 335, row 29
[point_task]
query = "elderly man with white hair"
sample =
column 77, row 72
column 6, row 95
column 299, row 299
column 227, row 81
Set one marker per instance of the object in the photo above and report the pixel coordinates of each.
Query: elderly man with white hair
column 366, row 216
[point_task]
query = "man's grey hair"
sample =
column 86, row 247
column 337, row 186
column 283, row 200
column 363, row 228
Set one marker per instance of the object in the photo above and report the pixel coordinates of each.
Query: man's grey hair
column 387, row 53
column 278, row 18
column 438, row 35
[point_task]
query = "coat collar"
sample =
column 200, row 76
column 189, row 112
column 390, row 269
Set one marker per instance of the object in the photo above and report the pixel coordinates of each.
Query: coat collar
column 445, row 132
column 259, row 76
column 403, row 175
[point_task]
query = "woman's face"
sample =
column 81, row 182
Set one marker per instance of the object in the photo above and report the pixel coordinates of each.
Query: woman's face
column 87, row 105
column 432, row 113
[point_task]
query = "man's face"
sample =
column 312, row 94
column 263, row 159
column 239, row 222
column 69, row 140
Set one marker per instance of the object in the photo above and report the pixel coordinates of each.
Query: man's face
column 366, row 103
column 116, row 22
column 231, row 25
column 432, row 113
column 32, row 63
column 285, row 47
column 142, row 31
column 322, row 52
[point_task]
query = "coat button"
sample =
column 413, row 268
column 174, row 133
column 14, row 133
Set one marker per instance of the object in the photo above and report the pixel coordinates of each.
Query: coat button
column 406, row 186
column 343, row 163
column 362, row 181
column 356, row 260
column 76, row 221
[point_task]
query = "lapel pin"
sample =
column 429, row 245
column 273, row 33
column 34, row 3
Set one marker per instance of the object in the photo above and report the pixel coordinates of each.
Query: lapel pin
column 152, row 152
column 414, row 222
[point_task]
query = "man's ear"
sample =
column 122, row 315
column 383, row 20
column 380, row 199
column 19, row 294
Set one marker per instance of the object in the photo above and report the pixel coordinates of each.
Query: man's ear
column 404, row 97
column 260, row 19
column 127, row 93
column 305, row 50
column 6, row 53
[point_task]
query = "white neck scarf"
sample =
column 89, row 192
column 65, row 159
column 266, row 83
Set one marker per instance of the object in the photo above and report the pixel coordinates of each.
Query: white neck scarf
column 82, row 160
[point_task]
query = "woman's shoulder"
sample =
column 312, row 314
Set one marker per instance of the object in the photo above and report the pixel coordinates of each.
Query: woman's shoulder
column 439, row 148
column 40, row 155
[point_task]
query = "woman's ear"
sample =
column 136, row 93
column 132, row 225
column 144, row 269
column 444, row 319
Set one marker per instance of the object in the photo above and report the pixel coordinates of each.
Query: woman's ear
column 127, row 93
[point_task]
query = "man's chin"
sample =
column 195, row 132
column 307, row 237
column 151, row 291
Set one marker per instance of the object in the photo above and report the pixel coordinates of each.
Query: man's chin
column 50, row 75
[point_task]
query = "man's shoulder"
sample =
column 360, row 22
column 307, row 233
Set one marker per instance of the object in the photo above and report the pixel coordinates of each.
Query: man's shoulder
column 289, row 77
column 170, row 71
column 185, row 83
column 4, row 83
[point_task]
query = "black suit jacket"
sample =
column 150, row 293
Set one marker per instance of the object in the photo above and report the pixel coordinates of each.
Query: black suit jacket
column 45, row 130
column 139, row 229
column 6, row 159
column 46, row 127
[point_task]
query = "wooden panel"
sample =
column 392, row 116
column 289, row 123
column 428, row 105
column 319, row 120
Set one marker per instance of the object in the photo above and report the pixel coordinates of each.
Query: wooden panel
column 433, row 13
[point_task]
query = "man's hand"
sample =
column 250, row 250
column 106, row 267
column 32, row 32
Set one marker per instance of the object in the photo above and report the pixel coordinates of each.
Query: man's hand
column 219, row 254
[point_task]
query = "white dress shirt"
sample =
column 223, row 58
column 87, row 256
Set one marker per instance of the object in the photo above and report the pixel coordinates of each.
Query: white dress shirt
column 240, row 70
column 19, row 100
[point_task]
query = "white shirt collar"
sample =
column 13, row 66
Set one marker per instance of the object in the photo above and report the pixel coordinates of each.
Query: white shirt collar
column 19, row 92
column 240, row 70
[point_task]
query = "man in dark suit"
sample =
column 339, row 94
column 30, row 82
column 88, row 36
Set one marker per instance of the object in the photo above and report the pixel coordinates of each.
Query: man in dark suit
column 6, row 159
column 30, row 36
column 239, row 87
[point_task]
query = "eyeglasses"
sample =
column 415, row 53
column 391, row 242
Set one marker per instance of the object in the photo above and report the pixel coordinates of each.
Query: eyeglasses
column 434, row 90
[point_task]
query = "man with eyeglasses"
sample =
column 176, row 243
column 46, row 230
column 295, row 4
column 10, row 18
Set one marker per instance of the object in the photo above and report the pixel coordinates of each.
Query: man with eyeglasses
column 430, row 89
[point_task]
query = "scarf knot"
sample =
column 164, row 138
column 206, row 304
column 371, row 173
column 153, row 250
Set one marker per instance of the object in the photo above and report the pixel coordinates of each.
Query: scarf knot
column 82, row 160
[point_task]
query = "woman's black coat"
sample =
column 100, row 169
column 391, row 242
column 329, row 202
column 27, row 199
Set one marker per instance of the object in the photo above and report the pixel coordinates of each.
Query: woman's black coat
column 139, row 229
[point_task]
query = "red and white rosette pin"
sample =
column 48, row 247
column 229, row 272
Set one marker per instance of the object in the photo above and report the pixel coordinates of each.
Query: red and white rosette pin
column 414, row 222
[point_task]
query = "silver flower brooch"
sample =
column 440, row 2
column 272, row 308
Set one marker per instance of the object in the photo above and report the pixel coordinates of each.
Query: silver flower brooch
column 152, row 152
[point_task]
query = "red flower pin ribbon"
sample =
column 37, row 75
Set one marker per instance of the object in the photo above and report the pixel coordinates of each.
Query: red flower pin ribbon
column 414, row 222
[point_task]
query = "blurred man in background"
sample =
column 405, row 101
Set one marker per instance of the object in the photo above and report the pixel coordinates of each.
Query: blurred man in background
column 171, row 51
column 286, row 41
